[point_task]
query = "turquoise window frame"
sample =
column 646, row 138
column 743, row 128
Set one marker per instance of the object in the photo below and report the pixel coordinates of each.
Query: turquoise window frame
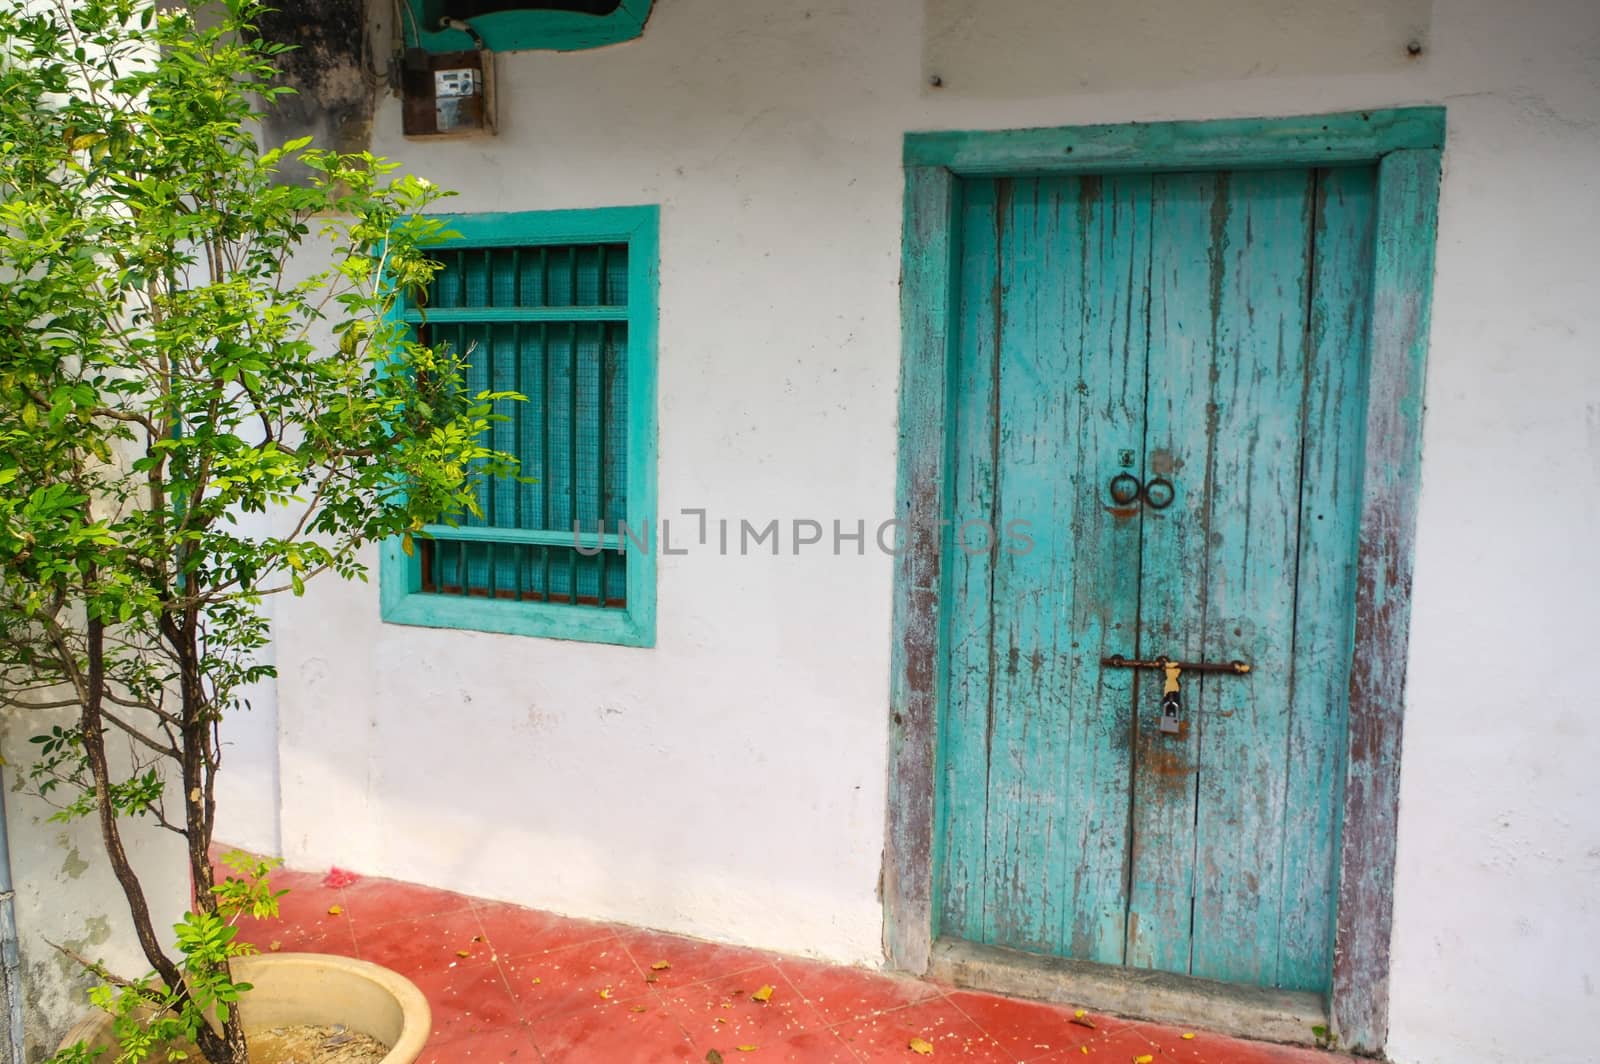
column 515, row 31
column 400, row 575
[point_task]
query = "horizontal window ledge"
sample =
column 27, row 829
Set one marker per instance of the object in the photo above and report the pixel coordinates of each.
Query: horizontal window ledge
column 497, row 315
column 621, row 627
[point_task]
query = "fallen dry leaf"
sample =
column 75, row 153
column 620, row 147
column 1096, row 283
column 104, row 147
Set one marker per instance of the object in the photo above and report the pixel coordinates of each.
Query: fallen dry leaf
column 921, row 1047
column 335, row 910
column 463, row 953
column 713, row 1057
column 536, row 980
column 1146, row 1059
column 722, row 1019
column 1188, row 1035
column 747, row 1049
column 638, row 1008
column 660, row 966
column 763, row 995
column 275, row 946
column 605, row 994
column 1082, row 1019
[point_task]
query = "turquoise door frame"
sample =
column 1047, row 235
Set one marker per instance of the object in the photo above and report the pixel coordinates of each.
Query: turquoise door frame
column 1406, row 146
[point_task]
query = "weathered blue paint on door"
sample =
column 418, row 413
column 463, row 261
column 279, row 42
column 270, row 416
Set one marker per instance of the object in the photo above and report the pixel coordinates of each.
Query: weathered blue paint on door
column 1207, row 329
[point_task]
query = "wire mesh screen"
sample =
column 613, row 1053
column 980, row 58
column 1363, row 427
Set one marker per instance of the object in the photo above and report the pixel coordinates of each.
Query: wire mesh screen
column 570, row 434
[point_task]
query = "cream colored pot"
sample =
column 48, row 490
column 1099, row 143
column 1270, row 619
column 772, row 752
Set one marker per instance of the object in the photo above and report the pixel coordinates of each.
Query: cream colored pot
column 321, row 989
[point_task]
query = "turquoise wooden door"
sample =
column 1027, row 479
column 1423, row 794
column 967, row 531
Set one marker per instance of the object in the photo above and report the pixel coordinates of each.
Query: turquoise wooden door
column 1204, row 331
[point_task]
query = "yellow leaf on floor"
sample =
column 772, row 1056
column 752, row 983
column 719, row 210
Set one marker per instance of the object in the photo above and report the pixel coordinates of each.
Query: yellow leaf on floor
column 1188, row 1034
column 747, row 1049
column 536, row 980
column 463, row 953
column 335, row 910
column 660, row 966
column 1146, row 1059
column 763, row 995
column 605, row 994
column 275, row 947
column 921, row 1047
column 638, row 1008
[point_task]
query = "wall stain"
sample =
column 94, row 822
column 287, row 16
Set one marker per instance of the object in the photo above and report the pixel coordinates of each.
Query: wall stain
column 335, row 93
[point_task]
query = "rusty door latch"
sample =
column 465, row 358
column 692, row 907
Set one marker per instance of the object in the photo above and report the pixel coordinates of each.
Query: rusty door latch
column 1171, row 696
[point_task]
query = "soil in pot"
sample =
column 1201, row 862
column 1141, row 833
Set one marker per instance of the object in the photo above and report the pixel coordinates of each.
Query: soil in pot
column 314, row 1045
column 309, row 1044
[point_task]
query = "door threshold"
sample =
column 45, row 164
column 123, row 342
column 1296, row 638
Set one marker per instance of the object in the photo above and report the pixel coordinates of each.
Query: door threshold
column 1227, row 1008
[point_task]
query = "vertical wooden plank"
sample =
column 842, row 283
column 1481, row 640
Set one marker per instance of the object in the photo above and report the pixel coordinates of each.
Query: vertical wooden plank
column 920, row 505
column 1104, row 396
column 964, row 724
column 1027, row 796
column 1184, row 330
column 1071, row 384
column 1261, row 260
column 1324, row 629
column 1408, row 189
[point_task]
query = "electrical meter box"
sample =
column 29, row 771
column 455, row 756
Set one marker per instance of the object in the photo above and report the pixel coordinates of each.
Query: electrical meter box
column 448, row 94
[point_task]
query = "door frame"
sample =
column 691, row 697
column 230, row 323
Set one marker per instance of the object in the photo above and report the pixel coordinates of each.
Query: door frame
column 1406, row 145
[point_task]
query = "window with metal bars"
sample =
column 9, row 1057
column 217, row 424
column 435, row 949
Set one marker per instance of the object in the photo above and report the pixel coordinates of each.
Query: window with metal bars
column 557, row 306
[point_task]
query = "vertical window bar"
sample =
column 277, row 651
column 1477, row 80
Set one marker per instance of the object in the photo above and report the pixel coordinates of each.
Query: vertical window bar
column 602, row 564
column 600, row 438
column 544, row 435
column 463, row 350
column 516, row 280
column 488, row 376
column 572, row 437
column 518, row 518
column 489, row 488
column 461, row 278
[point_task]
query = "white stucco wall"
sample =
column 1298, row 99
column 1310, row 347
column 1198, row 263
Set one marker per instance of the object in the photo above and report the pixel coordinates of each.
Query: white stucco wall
column 731, row 782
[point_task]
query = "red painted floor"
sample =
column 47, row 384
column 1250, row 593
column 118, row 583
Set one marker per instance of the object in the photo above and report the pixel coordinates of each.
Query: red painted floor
column 515, row 986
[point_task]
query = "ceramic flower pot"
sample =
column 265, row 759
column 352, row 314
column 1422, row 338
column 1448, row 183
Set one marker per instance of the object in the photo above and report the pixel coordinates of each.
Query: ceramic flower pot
column 320, row 989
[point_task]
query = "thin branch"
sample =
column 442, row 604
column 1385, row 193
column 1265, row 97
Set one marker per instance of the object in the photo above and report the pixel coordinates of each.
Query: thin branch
column 104, row 974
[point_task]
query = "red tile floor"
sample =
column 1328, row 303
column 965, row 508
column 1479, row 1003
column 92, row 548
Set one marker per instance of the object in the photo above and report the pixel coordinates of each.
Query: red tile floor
column 514, row 986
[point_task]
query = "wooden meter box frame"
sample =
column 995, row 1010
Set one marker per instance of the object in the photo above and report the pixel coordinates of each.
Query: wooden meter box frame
column 428, row 112
column 1406, row 147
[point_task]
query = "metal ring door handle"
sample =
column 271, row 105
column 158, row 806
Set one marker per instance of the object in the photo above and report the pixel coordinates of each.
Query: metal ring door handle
column 1125, row 488
column 1159, row 493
